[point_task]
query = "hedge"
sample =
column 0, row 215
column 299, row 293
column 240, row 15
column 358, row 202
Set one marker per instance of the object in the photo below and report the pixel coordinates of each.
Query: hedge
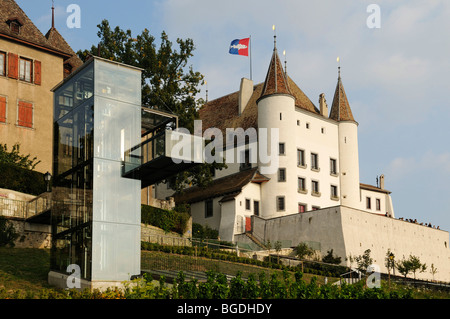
column 167, row 220
column 21, row 180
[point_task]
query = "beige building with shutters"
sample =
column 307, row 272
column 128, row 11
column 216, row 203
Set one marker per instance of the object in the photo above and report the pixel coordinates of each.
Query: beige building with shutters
column 31, row 64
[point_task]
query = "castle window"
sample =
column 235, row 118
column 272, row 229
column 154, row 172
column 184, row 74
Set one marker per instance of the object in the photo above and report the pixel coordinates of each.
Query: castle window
column 281, row 174
column 315, row 188
column 333, row 166
column 256, row 207
column 2, row 109
column 15, row 26
column 301, row 157
column 281, row 149
column 378, row 204
column 25, row 70
column 315, row 207
column 314, row 161
column 301, row 208
column 208, row 208
column 247, row 204
column 25, row 114
column 280, row 203
column 2, row 63
column 301, row 185
column 368, row 203
column 334, row 192
column 323, row 130
column 307, row 125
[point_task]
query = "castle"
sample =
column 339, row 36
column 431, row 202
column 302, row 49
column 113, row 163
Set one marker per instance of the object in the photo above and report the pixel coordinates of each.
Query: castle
column 315, row 194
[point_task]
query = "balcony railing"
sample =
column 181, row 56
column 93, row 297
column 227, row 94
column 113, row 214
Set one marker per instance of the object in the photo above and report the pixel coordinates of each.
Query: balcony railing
column 160, row 154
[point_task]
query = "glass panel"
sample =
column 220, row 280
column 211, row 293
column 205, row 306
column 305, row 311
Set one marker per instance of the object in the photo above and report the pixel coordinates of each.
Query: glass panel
column 116, row 82
column 74, row 92
column 116, row 199
column 117, row 128
column 116, row 251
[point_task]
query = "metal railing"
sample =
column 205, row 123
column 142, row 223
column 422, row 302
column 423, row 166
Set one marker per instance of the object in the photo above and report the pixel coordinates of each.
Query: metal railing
column 13, row 208
column 25, row 209
column 40, row 204
column 350, row 277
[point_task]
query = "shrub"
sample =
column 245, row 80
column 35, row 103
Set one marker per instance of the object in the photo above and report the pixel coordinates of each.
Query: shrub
column 21, row 179
column 8, row 233
column 167, row 220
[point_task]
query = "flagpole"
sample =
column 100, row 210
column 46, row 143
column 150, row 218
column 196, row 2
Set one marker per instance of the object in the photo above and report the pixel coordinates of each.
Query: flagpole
column 251, row 76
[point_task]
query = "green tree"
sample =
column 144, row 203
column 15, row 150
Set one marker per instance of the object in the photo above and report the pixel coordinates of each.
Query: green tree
column 302, row 250
column 329, row 258
column 364, row 261
column 8, row 233
column 433, row 270
column 412, row 264
column 278, row 246
column 16, row 158
column 416, row 265
column 404, row 267
column 169, row 83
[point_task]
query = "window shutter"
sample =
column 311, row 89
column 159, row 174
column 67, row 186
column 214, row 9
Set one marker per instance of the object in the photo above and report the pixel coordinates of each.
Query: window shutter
column 25, row 114
column 2, row 109
column 13, row 66
column 37, row 72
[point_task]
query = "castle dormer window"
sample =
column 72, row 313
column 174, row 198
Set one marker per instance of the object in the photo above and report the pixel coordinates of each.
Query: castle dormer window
column 14, row 25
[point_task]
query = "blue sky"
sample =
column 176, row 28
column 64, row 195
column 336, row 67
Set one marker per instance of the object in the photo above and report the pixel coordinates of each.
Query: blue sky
column 395, row 76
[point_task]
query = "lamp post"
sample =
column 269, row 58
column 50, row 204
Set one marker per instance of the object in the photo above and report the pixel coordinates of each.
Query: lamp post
column 47, row 178
column 391, row 264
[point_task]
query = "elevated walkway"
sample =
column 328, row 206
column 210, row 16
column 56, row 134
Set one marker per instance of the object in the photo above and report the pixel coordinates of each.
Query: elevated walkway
column 163, row 152
column 35, row 211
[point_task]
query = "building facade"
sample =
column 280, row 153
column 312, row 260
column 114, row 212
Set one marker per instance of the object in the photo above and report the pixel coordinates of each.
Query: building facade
column 315, row 195
column 317, row 163
column 31, row 64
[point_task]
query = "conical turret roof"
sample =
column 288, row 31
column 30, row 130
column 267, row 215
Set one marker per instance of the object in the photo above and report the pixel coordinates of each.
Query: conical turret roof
column 276, row 80
column 340, row 109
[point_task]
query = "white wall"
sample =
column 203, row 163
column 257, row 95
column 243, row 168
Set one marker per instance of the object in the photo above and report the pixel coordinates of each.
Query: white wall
column 316, row 134
column 350, row 231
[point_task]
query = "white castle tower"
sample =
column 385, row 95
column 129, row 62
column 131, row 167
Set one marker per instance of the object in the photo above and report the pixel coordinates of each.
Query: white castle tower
column 276, row 111
column 348, row 147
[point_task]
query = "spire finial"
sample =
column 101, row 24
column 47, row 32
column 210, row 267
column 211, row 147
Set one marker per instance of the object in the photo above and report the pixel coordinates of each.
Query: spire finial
column 274, row 38
column 339, row 67
column 53, row 14
column 285, row 62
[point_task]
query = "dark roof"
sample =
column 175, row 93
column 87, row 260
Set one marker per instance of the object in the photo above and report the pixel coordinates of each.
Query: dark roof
column 228, row 186
column 276, row 81
column 55, row 39
column 340, row 109
column 29, row 34
column 374, row 188
column 223, row 112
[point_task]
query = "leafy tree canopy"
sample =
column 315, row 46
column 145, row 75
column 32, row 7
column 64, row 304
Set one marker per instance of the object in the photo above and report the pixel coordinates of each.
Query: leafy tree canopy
column 16, row 158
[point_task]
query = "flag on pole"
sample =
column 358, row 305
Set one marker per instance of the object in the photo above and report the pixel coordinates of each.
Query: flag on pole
column 240, row 46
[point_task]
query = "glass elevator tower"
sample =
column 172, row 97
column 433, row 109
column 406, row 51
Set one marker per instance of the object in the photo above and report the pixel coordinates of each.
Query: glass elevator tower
column 96, row 221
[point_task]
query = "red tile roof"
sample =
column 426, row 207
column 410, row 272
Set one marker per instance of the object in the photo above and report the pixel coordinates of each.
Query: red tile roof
column 29, row 34
column 276, row 80
column 340, row 109
column 228, row 186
